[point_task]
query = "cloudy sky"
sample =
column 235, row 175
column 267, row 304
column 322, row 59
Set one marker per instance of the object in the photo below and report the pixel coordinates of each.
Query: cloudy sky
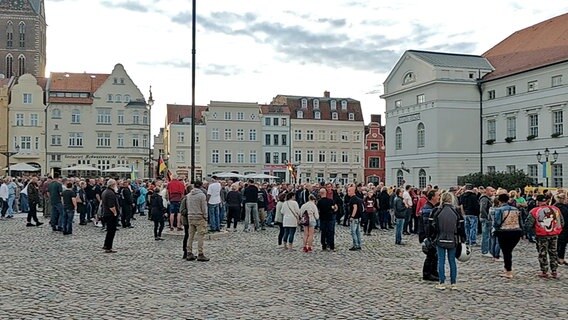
column 252, row 50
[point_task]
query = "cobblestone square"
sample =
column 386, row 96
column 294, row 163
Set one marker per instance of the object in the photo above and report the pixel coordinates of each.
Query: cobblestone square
column 46, row 275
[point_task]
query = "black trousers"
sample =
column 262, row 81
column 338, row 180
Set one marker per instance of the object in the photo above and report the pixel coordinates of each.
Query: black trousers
column 4, row 207
column 408, row 221
column 185, row 237
column 32, row 214
column 126, row 215
column 158, row 227
column 508, row 241
column 430, row 267
column 328, row 234
column 233, row 215
column 368, row 221
column 562, row 240
column 111, row 222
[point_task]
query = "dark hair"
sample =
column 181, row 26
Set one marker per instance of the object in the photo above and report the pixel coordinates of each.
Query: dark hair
column 69, row 185
column 430, row 195
column 198, row 184
column 503, row 198
column 282, row 196
column 290, row 195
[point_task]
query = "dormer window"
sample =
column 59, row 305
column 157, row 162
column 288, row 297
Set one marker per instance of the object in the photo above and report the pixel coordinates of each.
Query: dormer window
column 408, row 78
column 333, row 104
column 351, row 116
column 304, row 103
column 300, row 114
column 334, row 116
column 316, row 104
column 343, row 105
column 317, row 115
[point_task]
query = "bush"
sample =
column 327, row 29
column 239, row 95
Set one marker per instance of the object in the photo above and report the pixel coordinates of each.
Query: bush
column 506, row 180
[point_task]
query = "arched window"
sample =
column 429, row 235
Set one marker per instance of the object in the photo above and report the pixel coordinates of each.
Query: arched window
column 317, row 115
column 408, row 78
column 127, row 98
column 304, row 103
column 334, row 116
column 333, row 105
column 316, row 104
column 421, row 139
column 9, row 66
column 22, row 29
column 343, row 105
column 9, row 35
column 422, row 179
column 117, row 98
column 399, row 177
column 398, row 139
column 300, row 114
column 21, row 65
column 55, row 114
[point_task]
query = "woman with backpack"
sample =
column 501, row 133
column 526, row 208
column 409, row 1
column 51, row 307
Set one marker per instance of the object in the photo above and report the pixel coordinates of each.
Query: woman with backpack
column 309, row 216
column 290, row 219
column 508, row 229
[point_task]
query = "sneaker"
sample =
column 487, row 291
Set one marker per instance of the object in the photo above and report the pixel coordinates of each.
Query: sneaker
column 353, row 249
column 190, row 257
column 543, row 275
column 38, row 224
column 110, row 251
column 99, row 225
column 441, row 286
column 202, row 258
column 488, row 255
column 29, row 224
column 453, row 287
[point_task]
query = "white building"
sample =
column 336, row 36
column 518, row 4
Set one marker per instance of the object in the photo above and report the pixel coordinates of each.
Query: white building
column 276, row 143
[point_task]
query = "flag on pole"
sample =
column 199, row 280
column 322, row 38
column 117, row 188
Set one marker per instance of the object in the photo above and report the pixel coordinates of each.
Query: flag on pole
column 132, row 174
column 162, row 166
column 546, row 170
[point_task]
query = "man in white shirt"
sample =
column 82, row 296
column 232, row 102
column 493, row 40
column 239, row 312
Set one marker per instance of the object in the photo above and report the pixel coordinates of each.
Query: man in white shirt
column 3, row 198
column 407, row 200
column 214, row 204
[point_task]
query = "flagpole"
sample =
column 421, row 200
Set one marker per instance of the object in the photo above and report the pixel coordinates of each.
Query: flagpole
column 193, row 94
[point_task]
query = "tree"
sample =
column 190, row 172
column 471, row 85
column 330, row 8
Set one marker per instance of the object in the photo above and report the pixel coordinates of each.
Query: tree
column 517, row 179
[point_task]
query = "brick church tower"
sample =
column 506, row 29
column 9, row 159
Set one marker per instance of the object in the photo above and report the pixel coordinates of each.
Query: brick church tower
column 22, row 37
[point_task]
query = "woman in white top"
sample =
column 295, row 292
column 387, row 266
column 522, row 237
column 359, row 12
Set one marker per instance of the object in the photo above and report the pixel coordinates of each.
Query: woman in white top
column 279, row 217
column 290, row 219
column 313, row 214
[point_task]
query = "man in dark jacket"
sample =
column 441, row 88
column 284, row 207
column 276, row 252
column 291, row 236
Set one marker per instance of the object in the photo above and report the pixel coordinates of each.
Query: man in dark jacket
column 126, row 204
column 469, row 204
column 430, row 267
column 33, row 198
column 384, row 207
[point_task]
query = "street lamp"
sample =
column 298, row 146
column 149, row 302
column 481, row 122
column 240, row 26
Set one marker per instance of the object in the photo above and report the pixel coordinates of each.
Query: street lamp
column 403, row 167
column 149, row 107
column 547, row 161
column 8, row 154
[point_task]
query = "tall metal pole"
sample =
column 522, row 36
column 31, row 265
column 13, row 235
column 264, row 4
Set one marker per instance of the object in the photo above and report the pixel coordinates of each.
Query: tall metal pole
column 480, row 89
column 193, row 93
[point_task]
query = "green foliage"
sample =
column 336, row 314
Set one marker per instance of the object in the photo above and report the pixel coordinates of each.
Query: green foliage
column 506, row 180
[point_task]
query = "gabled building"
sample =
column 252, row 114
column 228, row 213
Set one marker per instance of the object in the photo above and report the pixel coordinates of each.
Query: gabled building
column 5, row 85
column 276, row 144
column 375, row 151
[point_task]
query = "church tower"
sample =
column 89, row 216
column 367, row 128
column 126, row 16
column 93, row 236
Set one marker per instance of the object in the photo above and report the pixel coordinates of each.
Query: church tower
column 22, row 37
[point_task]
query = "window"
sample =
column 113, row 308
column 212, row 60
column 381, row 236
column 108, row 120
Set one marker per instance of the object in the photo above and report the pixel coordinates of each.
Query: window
column 121, row 80
column 76, row 139
column 374, row 146
column 136, row 118
column 36, row 143
column 316, row 103
column 334, row 116
column 557, row 181
column 27, row 98
column 557, row 81
column 533, row 125
column 55, row 140
column 421, row 139
column 215, row 134
column 275, row 139
column 75, row 116
column 118, row 98
column 420, row 98
column 228, row 156
column 275, row 121
column 351, row 116
column 252, row 156
column 310, row 156
column 126, row 98
column 103, row 139
column 240, row 134
column 298, row 135
column 145, row 117
column 321, row 135
column 399, row 177
column 252, row 135
column 267, row 157
column 276, row 158
column 240, row 157
column 22, row 29
column 422, row 179
column 284, row 122
column 227, row 115
column 532, row 86
column 135, row 141
column 180, row 156
column 300, row 114
column 120, row 140
column 333, row 136
column 397, row 103
column 356, row 157
column 309, row 135
column 398, row 139
column 56, row 157
column 511, row 91
column 490, row 169
column 109, row 97
column 333, row 156
column 374, row 162
column 558, row 122
column 344, row 157
column 19, row 119
column 304, row 103
column 55, row 114
column 297, row 156
column 532, row 172
column 357, row 136
column 120, row 116
column 512, row 127
column 491, row 129
column 333, row 104
column 267, row 121
column 21, row 65
column 267, row 139
column 240, row 115
column 34, row 120
column 25, row 143
column 317, row 115
column 511, row 168
column 9, row 36
column 344, row 136
column 144, row 141
column 228, row 134
column 321, row 156
column 214, row 156
column 284, row 140
column 491, row 94
column 181, row 137
column 103, row 116
column 343, row 105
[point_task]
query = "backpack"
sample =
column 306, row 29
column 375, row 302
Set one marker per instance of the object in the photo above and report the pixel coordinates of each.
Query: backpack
column 305, row 219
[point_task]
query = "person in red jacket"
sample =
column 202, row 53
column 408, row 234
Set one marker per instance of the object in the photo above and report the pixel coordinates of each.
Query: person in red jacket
column 176, row 191
column 547, row 223
column 418, row 213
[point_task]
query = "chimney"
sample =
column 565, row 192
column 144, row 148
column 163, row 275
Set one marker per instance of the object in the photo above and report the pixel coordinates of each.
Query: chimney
column 326, row 94
column 376, row 118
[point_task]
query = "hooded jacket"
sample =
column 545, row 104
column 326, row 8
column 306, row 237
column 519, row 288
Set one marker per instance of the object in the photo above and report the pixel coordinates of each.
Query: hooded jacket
column 196, row 205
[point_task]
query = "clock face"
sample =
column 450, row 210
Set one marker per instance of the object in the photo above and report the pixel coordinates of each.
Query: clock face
column 18, row 4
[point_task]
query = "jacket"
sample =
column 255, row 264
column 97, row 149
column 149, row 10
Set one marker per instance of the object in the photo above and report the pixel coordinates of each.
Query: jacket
column 507, row 218
column 312, row 210
column 33, row 193
column 484, row 205
column 447, row 227
column 196, row 205
column 547, row 221
column 399, row 208
column 290, row 213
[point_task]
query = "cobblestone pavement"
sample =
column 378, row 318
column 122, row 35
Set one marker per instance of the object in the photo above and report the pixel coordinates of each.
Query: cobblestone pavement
column 46, row 275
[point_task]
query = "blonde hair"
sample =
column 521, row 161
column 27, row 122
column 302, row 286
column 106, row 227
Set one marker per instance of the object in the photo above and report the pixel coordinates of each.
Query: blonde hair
column 447, row 197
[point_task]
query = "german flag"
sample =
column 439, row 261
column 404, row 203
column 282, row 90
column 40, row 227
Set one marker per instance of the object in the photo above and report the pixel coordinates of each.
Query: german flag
column 162, row 166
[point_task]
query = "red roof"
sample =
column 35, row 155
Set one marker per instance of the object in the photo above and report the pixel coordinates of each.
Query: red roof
column 539, row 45
column 274, row 109
column 176, row 112
column 75, row 82
column 295, row 104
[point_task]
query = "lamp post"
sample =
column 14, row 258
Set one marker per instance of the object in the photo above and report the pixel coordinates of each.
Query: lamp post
column 8, row 154
column 149, row 107
column 193, row 36
column 547, row 161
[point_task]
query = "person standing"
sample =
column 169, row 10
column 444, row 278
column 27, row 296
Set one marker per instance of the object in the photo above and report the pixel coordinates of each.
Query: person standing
column 279, row 218
column 157, row 210
column 407, row 200
column 262, row 204
column 370, row 212
column 485, row 204
column 55, row 191
column 214, row 204
column 33, row 199
column 176, row 191
column 313, row 215
column 430, row 266
column 470, row 208
column 508, row 229
column 110, row 214
column 400, row 212
column 290, row 219
column 126, row 205
column 561, row 204
column 197, row 220
column 3, row 197
column 141, row 199
column 355, row 213
column 234, row 200
column 251, row 205
column 69, row 207
column 384, row 207
column 327, row 209
column 547, row 222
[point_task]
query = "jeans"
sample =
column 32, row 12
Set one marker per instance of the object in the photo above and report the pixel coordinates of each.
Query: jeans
column 222, row 213
column 356, row 232
column 289, row 234
column 57, row 216
column 442, row 264
column 471, row 229
column 24, row 204
column 11, row 200
column 398, row 231
column 494, row 247
column 280, row 234
column 252, row 208
column 270, row 217
column 485, row 235
column 328, row 234
column 214, row 221
column 67, row 221
column 408, row 221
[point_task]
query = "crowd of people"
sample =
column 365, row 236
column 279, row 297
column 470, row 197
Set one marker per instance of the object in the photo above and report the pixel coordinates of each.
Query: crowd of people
column 444, row 220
